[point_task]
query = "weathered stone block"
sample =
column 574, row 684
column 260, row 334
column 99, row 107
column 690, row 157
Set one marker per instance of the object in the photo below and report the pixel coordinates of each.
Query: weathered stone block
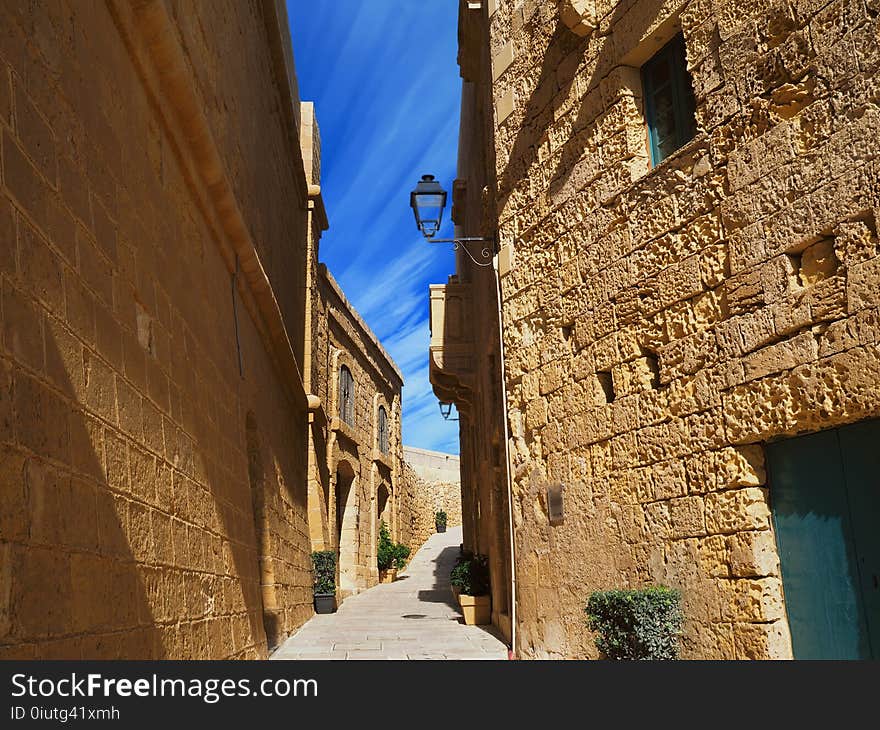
column 687, row 517
column 757, row 600
column 763, row 640
column 737, row 510
column 14, row 519
column 753, row 554
column 22, row 328
column 785, row 355
column 862, row 285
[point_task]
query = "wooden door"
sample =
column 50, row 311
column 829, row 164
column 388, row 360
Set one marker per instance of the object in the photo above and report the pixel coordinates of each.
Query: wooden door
column 825, row 498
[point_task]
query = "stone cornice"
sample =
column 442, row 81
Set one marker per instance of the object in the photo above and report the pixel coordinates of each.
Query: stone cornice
column 358, row 320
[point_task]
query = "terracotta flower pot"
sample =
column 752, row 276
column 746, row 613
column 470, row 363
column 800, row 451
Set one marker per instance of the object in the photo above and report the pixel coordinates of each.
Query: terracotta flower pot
column 388, row 576
column 477, row 610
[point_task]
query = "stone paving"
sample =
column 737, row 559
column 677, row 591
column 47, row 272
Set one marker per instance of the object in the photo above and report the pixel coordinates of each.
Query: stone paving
column 416, row 617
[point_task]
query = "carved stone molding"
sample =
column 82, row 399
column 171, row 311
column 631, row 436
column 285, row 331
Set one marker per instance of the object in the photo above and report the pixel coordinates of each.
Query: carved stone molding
column 579, row 16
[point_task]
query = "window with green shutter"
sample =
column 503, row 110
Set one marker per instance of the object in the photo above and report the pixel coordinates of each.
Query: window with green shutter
column 383, row 430
column 669, row 100
column 346, row 395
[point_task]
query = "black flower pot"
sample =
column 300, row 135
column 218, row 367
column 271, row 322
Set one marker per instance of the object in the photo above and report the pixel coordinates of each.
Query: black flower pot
column 325, row 602
column 441, row 528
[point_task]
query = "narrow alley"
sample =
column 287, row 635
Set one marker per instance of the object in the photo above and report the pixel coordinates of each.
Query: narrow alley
column 416, row 617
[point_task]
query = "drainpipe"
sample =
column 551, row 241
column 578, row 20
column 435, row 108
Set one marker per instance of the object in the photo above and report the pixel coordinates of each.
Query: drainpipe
column 507, row 465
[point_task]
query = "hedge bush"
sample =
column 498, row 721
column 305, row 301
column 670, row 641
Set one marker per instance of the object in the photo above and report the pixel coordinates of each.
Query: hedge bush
column 440, row 519
column 642, row 623
column 324, row 564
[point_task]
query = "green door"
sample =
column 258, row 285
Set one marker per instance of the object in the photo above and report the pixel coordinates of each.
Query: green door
column 860, row 451
column 825, row 497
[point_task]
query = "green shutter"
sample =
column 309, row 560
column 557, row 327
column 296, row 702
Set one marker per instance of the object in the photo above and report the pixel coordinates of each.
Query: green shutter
column 669, row 100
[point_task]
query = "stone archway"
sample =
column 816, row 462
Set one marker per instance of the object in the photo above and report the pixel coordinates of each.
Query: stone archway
column 383, row 506
column 347, row 527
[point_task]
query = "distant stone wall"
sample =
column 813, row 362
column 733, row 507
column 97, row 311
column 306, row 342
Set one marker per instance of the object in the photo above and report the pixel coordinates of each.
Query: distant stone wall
column 433, row 466
column 424, row 496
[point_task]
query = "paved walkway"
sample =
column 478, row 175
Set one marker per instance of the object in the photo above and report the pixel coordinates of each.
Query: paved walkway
column 416, row 617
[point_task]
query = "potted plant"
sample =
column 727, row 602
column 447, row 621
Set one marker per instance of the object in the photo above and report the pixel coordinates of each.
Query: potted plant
column 386, row 555
column 440, row 521
column 454, row 576
column 324, row 587
column 472, row 578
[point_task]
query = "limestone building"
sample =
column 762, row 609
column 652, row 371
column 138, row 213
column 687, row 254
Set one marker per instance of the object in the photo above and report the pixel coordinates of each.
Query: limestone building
column 354, row 443
column 685, row 198
column 176, row 435
column 153, row 259
column 355, row 439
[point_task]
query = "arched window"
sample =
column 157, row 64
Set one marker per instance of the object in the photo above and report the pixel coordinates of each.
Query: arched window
column 383, row 430
column 346, row 395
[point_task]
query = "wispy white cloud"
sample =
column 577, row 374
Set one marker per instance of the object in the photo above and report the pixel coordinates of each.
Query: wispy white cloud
column 386, row 87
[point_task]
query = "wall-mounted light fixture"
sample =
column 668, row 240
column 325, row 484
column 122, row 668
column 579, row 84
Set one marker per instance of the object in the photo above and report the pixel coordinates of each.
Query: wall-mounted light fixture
column 446, row 411
column 428, row 201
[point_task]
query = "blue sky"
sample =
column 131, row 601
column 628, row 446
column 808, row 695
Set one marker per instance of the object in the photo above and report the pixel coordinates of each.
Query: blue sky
column 385, row 83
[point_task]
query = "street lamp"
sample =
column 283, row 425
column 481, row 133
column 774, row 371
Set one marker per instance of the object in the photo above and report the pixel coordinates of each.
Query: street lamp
column 428, row 201
column 446, row 411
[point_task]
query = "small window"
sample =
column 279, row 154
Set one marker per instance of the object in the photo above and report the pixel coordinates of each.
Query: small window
column 669, row 100
column 346, row 396
column 383, row 430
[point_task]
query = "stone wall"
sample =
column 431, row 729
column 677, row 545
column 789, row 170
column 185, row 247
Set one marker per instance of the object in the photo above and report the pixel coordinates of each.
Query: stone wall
column 152, row 501
column 661, row 324
column 429, row 483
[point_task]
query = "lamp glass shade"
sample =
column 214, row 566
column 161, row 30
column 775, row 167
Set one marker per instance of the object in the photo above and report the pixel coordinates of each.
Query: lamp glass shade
column 428, row 201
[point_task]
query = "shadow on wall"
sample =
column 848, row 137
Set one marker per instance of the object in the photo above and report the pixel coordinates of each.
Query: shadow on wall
column 257, row 482
column 71, row 537
column 559, row 68
column 107, row 550
column 441, row 591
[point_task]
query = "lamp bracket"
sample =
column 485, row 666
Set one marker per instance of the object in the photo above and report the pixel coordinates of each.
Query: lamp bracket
column 458, row 243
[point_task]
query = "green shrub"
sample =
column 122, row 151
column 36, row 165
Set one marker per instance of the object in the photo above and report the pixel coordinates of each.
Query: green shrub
column 440, row 519
column 643, row 623
column 385, row 554
column 401, row 553
column 471, row 575
column 324, row 564
column 455, row 575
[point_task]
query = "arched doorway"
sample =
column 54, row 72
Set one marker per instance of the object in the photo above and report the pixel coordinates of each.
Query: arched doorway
column 346, row 527
column 383, row 506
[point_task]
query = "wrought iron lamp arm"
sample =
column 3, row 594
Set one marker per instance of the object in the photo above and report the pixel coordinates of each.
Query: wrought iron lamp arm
column 458, row 243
